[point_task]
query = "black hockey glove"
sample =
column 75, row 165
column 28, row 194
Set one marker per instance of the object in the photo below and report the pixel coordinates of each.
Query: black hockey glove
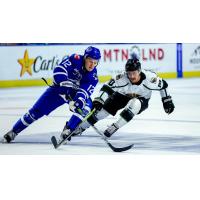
column 168, row 104
column 98, row 103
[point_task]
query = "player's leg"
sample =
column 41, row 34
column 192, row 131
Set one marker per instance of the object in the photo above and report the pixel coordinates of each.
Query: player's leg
column 114, row 102
column 94, row 118
column 75, row 120
column 134, row 107
column 48, row 102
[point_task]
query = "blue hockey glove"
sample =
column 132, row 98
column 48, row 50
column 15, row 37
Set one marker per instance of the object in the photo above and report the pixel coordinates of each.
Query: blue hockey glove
column 74, row 106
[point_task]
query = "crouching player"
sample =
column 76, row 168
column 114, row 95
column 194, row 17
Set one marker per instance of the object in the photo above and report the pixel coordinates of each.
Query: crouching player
column 130, row 91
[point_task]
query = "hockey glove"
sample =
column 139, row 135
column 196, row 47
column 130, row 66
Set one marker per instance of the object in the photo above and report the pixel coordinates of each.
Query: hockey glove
column 74, row 106
column 168, row 104
column 98, row 103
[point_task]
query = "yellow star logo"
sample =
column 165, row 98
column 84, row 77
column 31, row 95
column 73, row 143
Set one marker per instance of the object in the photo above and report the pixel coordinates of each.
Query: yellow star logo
column 26, row 64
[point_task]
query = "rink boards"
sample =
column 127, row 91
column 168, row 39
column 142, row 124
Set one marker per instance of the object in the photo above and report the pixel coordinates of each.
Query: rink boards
column 24, row 65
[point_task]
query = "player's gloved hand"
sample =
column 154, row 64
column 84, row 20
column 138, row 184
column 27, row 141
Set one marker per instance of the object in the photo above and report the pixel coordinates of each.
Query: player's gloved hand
column 76, row 106
column 98, row 103
column 168, row 104
column 64, row 86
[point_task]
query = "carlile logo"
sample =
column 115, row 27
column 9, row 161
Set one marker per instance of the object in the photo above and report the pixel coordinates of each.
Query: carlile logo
column 26, row 63
column 145, row 54
column 195, row 56
column 37, row 64
column 42, row 64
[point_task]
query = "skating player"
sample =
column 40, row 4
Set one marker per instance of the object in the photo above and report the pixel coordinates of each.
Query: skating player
column 74, row 80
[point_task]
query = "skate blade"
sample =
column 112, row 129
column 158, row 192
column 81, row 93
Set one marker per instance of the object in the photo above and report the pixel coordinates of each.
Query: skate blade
column 3, row 141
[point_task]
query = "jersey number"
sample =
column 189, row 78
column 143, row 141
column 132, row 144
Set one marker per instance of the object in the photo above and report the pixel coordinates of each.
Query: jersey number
column 66, row 63
column 90, row 89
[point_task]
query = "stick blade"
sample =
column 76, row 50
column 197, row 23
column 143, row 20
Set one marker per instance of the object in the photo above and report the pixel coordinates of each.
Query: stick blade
column 54, row 142
column 120, row 149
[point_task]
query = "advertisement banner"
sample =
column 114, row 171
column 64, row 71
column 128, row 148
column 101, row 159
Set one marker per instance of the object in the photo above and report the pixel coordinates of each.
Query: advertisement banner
column 33, row 62
column 157, row 57
column 191, row 60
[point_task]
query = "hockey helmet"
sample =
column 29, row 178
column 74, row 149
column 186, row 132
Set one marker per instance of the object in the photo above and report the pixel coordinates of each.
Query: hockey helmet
column 134, row 56
column 133, row 65
column 93, row 53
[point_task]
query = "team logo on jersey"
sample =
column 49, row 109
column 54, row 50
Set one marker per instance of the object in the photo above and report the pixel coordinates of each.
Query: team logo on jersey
column 153, row 80
column 26, row 64
column 132, row 95
column 77, row 74
column 95, row 76
column 119, row 76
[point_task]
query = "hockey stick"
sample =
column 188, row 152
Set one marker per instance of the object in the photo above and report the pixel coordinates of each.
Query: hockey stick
column 56, row 143
column 115, row 149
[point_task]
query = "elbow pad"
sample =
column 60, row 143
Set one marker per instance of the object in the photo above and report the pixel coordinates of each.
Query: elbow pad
column 165, row 85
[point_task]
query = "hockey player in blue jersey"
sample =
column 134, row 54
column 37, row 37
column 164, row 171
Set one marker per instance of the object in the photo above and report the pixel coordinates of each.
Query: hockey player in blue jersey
column 74, row 80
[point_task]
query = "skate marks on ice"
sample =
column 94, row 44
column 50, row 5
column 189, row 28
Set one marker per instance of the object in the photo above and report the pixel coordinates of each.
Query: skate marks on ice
column 93, row 144
column 159, row 143
column 41, row 144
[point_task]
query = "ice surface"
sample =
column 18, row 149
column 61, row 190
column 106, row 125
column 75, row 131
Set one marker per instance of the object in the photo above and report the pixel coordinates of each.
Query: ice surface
column 152, row 132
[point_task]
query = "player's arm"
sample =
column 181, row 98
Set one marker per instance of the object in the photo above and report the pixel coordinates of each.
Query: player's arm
column 166, row 98
column 61, row 74
column 83, row 93
column 154, row 82
column 107, row 90
column 168, row 104
column 157, row 83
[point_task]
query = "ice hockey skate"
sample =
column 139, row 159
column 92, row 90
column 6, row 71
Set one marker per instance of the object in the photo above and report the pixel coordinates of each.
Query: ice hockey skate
column 8, row 137
column 66, row 132
column 111, row 130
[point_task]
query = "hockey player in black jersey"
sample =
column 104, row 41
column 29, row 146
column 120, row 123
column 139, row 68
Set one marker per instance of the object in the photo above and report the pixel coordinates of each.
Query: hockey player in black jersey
column 131, row 92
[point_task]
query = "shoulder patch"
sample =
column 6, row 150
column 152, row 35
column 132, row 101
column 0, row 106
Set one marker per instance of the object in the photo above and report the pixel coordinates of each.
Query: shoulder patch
column 76, row 56
column 153, row 80
column 119, row 76
column 95, row 76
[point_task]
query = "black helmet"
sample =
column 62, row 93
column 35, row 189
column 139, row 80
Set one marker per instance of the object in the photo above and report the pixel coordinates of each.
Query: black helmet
column 133, row 65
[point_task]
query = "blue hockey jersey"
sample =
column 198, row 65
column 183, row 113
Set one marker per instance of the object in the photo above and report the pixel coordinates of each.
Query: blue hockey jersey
column 73, row 79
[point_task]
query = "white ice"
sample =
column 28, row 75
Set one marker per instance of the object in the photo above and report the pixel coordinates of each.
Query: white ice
column 152, row 132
